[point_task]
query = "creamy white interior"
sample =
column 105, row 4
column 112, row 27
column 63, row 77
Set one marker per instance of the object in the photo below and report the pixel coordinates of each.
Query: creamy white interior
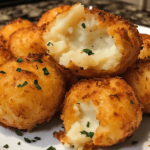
column 85, row 113
column 69, row 39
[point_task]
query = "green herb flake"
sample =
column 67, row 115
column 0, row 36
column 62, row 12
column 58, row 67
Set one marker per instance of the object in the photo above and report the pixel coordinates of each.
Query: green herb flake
column 18, row 143
column 102, row 69
column 18, row 133
column 27, row 140
column 72, row 146
column 6, row 146
column 88, row 51
column 88, row 134
column 100, row 13
column 33, row 140
column 25, row 83
column 134, row 142
column 37, row 138
column 51, row 148
column 45, row 71
column 20, row 60
column 3, row 72
column 38, row 125
column 83, row 25
column 19, row 70
column 49, row 43
column 40, row 61
column 88, row 124
column 136, row 68
column 148, row 57
column 36, row 67
column 43, row 28
column 81, row 68
column 141, row 47
column 78, row 103
column 131, row 102
column 37, row 85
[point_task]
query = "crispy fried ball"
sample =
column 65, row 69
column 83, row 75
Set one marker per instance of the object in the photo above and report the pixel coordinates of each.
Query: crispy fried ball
column 145, row 48
column 25, row 41
column 31, row 91
column 138, row 77
column 51, row 14
column 92, row 43
column 99, row 112
column 4, row 55
column 13, row 26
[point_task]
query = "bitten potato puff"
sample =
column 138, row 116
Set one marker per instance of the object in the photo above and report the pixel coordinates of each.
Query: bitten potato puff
column 31, row 91
column 25, row 41
column 92, row 43
column 13, row 26
column 51, row 14
column 138, row 77
column 99, row 113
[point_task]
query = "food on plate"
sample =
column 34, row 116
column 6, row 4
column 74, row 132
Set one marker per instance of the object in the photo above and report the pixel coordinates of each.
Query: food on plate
column 145, row 48
column 92, row 43
column 25, row 41
column 8, row 29
column 4, row 55
column 31, row 91
column 51, row 14
column 99, row 113
column 138, row 77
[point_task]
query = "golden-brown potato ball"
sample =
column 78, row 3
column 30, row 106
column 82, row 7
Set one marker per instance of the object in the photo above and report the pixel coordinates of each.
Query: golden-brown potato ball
column 138, row 77
column 4, row 55
column 99, row 112
column 25, row 41
column 92, row 43
column 13, row 26
column 145, row 48
column 31, row 91
column 51, row 14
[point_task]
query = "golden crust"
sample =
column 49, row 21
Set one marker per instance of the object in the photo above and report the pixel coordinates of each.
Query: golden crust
column 25, row 41
column 117, row 109
column 138, row 78
column 8, row 29
column 51, row 14
column 145, row 49
column 24, row 107
column 125, row 34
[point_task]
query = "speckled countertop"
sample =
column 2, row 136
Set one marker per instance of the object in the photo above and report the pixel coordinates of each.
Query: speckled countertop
column 33, row 11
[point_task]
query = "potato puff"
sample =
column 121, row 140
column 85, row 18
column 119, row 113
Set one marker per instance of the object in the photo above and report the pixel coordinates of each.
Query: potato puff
column 99, row 113
column 4, row 55
column 145, row 48
column 13, row 26
column 138, row 77
column 92, row 43
column 51, row 14
column 31, row 91
column 25, row 41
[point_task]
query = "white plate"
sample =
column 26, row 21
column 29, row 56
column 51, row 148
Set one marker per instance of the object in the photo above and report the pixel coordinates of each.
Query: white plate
column 46, row 133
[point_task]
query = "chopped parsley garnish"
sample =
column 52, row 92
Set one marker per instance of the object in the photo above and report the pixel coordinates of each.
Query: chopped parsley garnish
column 141, row 47
column 51, row 148
column 49, row 43
column 88, row 134
column 81, row 68
column 78, row 103
column 102, row 69
column 19, row 70
column 18, row 143
column 134, row 142
column 136, row 68
column 45, row 71
column 6, row 146
column 43, row 28
column 27, row 59
column 37, row 138
column 148, row 56
column 38, row 125
column 33, row 140
column 39, row 60
column 18, row 133
column 3, row 72
column 114, row 95
column 100, row 13
column 25, row 83
column 88, row 124
column 83, row 25
column 27, row 140
column 36, row 67
column 131, row 102
column 20, row 60
column 37, row 85
column 72, row 146
column 88, row 51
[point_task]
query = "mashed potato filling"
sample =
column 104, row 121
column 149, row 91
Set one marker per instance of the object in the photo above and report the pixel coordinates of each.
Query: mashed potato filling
column 83, row 130
column 76, row 32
